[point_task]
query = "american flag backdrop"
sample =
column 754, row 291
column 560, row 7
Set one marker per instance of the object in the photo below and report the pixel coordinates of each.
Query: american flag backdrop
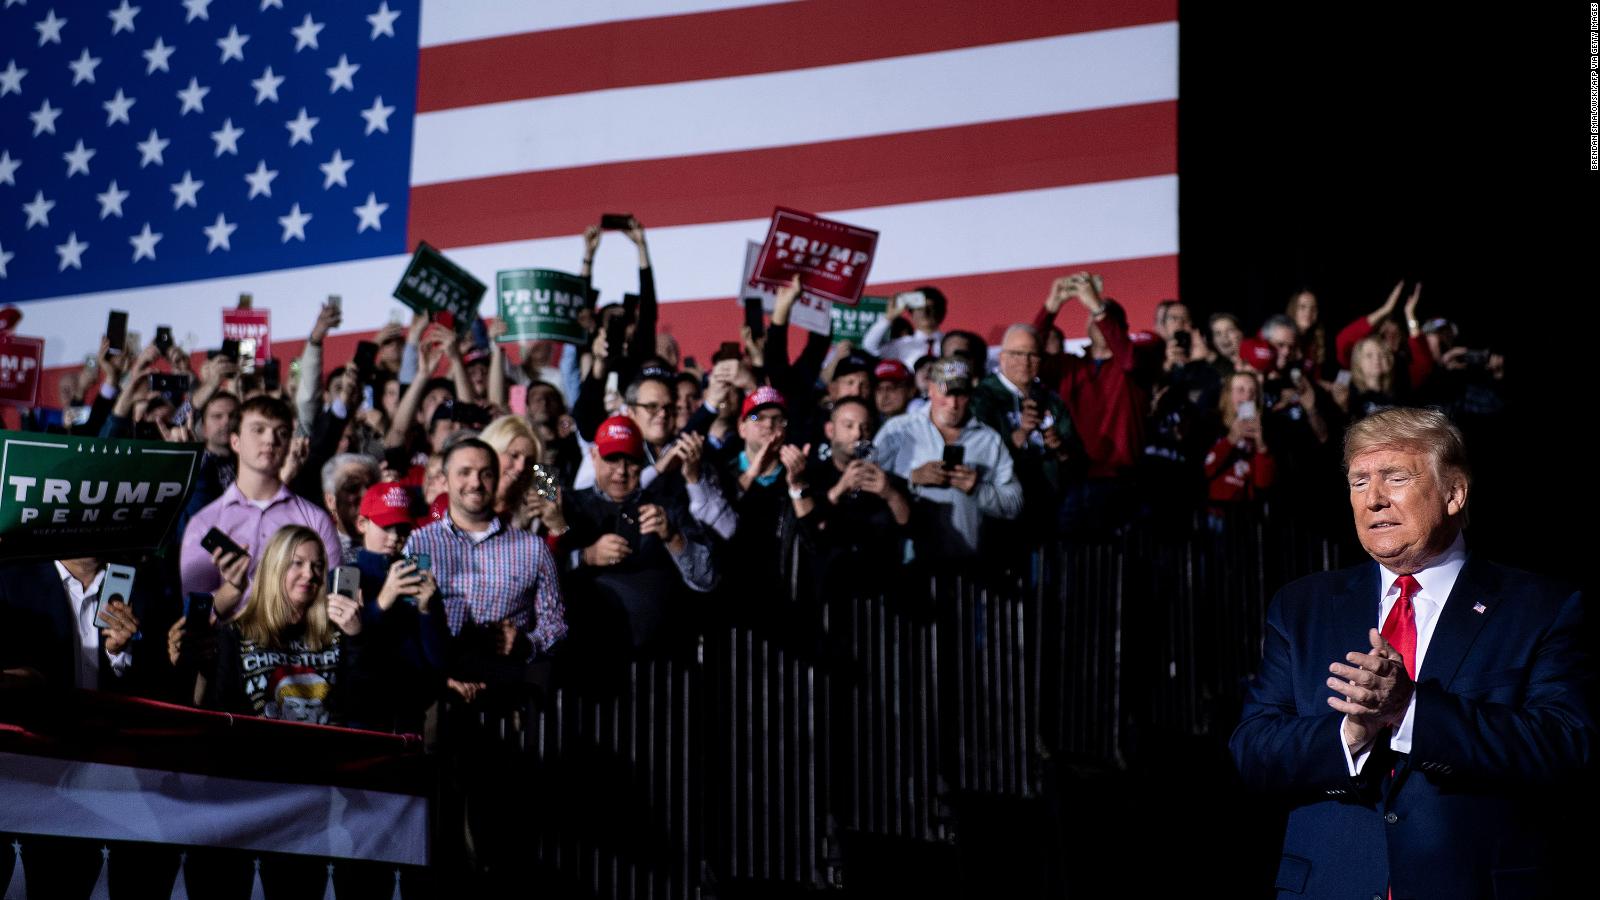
column 163, row 156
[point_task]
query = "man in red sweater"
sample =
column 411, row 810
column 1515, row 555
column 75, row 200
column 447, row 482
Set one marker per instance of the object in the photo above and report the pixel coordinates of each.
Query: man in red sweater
column 1107, row 405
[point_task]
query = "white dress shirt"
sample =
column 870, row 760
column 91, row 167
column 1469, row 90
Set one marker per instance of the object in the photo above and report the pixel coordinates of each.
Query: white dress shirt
column 1434, row 585
column 85, row 602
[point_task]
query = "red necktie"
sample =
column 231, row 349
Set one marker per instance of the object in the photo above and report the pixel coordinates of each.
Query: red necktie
column 1400, row 629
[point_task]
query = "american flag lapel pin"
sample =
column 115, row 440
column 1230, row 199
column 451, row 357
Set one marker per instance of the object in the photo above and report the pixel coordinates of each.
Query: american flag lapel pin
column 1479, row 608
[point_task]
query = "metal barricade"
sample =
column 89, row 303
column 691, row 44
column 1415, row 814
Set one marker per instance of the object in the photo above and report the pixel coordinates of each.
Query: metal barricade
column 747, row 761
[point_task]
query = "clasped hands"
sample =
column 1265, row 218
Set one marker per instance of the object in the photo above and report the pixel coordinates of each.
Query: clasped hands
column 1374, row 691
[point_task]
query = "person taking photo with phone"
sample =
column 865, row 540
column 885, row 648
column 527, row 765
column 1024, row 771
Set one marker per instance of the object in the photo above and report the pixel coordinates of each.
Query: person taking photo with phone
column 404, row 628
column 293, row 653
column 959, row 470
column 249, row 512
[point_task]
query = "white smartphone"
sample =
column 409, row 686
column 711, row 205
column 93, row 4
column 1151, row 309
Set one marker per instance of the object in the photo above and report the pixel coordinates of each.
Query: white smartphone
column 1247, row 410
column 116, row 585
column 911, row 300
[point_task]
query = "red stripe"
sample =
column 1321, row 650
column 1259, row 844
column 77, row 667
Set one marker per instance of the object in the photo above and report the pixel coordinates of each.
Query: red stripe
column 986, row 304
column 971, row 160
column 744, row 42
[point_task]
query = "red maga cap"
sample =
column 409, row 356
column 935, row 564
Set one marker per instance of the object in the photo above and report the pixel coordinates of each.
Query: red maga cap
column 1258, row 354
column 892, row 370
column 387, row 503
column 619, row 434
column 762, row 397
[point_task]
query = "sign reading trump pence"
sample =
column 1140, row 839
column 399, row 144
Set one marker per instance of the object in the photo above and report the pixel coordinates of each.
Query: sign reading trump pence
column 433, row 283
column 541, row 305
column 832, row 258
column 21, row 361
column 66, row 497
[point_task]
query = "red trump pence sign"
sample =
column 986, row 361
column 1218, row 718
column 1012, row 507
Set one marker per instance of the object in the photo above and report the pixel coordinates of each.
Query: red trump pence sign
column 250, row 325
column 832, row 258
column 20, row 361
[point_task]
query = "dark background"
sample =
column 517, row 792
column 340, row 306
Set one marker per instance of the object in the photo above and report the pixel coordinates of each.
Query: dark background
column 1347, row 148
column 1344, row 149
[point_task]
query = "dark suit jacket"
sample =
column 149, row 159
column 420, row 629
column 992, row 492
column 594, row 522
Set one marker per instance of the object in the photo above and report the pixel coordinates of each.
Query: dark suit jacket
column 38, row 629
column 1504, row 715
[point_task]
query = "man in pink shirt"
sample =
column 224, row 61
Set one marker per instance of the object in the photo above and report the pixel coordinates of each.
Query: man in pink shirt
column 251, row 510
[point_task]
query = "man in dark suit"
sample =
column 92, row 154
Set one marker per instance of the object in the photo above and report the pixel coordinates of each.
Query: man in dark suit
column 48, row 631
column 1417, row 713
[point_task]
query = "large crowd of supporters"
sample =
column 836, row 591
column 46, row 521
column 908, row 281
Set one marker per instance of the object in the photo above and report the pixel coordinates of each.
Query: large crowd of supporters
column 372, row 534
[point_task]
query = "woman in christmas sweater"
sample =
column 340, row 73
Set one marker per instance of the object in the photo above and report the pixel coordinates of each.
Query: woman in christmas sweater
column 292, row 653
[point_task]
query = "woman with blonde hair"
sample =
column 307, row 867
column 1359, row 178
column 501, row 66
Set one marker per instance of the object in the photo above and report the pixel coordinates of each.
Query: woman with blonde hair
column 1371, row 377
column 292, row 653
column 1239, row 465
column 519, row 449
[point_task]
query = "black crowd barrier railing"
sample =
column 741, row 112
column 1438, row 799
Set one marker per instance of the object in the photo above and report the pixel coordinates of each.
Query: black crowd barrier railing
column 753, row 758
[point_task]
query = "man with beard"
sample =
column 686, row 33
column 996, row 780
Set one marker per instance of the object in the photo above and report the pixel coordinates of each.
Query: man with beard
column 852, row 514
column 502, row 599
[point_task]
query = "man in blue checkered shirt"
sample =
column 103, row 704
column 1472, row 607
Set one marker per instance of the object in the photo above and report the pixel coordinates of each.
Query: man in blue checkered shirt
column 501, row 592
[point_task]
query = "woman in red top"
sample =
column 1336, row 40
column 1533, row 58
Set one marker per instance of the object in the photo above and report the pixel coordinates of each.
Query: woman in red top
column 1239, row 465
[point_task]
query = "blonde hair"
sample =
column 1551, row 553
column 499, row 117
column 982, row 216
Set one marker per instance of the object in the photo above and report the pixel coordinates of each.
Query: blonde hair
column 1225, row 403
column 266, row 619
column 502, row 432
column 1358, row 379
column 1406, row 428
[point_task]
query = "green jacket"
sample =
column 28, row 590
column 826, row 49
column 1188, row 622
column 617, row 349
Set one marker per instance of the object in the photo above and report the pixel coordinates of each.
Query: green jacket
column 1038, row 467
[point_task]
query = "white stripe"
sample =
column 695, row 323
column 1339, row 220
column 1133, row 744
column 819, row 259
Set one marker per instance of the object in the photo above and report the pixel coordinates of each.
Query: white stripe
column 1020, row 79
column 123, row 803
column 452, row 21
column 1106, row 221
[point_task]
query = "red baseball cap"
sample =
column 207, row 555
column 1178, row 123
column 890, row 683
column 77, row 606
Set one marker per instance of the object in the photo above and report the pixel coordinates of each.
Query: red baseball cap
column 1258, row 354
column 619, row 434
column 9, row 317
column 387, row 503
column 892, row 370
column 761, row 398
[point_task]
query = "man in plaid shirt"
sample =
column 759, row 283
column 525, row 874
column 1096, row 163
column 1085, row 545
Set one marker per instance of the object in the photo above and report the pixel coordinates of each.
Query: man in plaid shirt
column 500, row 587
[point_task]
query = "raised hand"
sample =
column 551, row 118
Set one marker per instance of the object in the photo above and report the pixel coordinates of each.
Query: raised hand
column 328, row 318
column 787, row 295
column 1412, row 301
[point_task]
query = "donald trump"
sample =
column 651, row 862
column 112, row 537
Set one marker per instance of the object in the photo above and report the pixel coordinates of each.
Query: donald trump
column 1416, row 711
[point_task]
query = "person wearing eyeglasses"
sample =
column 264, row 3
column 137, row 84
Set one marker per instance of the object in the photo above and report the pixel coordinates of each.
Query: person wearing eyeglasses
column 632, row 550
column 651, row 403
column 1036, row 428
